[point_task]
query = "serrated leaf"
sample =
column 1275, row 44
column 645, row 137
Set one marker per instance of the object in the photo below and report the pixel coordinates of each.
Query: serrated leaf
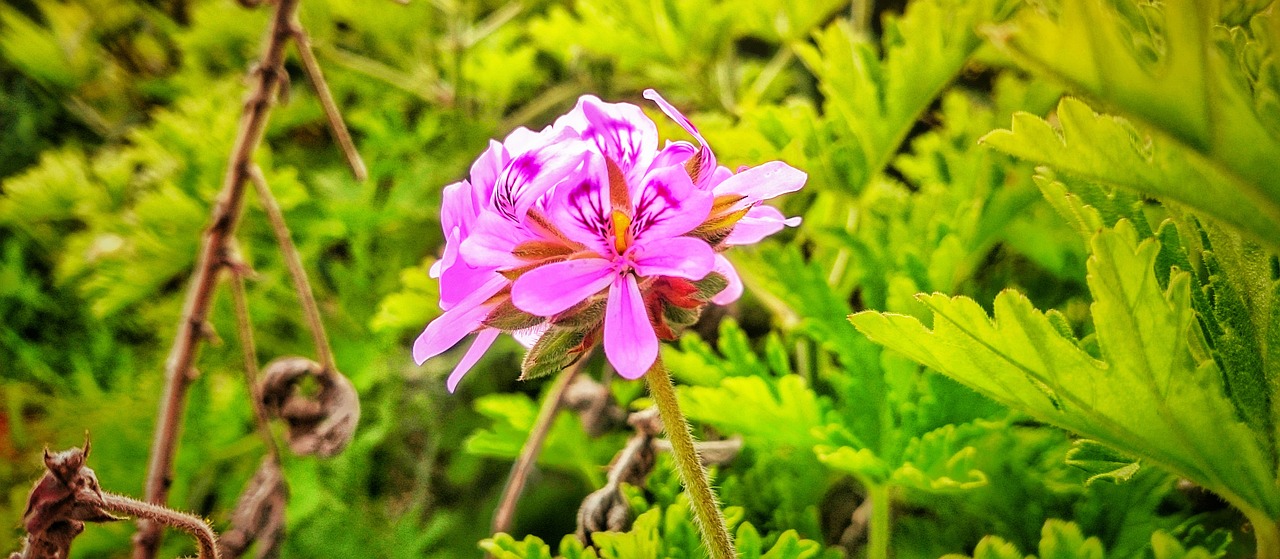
column 1176, row 78
column 1147, row 394
column 781, row 415
column 1063, row 540
column 1100, row 462
column 1110, row 151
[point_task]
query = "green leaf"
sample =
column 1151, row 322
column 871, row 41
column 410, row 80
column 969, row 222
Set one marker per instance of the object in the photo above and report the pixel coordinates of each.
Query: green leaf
column 877, row 100
column 1100, row 462
column 1165, row 69
column 503, row 546
column 567, row 446
column 784, row 414
column 1063, row 540
column 1147, row 394
column 1110, row 151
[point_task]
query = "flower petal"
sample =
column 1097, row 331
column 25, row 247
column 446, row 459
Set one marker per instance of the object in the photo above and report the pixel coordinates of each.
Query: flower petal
column 707, row 163
column 682, row 257
column 532, row 174
column 629, row 340
column 667, row 205
column 620, row 131
column 763, row 182
column 461, row 280
column 582, row 210
column 760, row 222
column 477, row 349
column 491, row 241
column 450, row 327
column 732, row 291
column 547, row 290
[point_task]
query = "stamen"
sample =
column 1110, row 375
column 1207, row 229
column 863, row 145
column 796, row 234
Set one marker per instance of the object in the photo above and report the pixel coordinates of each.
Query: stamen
column 621, row 230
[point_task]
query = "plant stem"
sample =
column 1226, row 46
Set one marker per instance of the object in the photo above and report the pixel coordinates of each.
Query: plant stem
column 293, row 263
column 1266, row 532
column 706, row 510
column 158, row 515
column 506, row 511
column 213, row 256
column 878, row 540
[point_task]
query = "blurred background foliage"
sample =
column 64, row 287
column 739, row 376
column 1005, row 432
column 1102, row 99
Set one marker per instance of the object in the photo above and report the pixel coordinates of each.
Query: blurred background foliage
column 117, row 120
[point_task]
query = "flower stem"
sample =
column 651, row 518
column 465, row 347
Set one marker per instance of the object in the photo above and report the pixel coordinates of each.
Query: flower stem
column 706, row 510
column 878, row 540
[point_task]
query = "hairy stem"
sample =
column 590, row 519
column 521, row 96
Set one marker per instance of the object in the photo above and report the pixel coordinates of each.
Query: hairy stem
column 158, row 515
column 293, row 262
column 213, row 256
column 506, row 511
column 878, row 540
column 715, row 535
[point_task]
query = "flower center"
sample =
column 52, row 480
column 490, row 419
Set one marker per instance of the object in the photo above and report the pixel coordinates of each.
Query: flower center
column 621, row 230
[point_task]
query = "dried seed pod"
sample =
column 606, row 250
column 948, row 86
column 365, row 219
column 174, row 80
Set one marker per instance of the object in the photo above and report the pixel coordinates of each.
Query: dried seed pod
column 259, row 514
column 320, row 424
column 67, row 496
column 604, row 510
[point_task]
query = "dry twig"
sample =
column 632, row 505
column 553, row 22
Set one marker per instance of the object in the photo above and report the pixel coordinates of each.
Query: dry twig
column 269, row 81
column 506, row 511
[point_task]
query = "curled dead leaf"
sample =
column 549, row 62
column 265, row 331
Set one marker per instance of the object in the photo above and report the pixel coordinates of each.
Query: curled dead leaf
column 322, row 423
column 259, row 514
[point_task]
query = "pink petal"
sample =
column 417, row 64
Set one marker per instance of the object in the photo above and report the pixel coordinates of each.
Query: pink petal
column 708, row 158
column 682, row 257
column 530, row 175
column 477, row 349
column 674, row 114
column 763, row 182
column 450, row 327
column 487, row 167
column 620, row 131
column 760, row 222
column 582, row 210
column 491, row 241
column 667, row 205
column 547, row 290
column 460, row 280
column 733, row 291
column 629, row 340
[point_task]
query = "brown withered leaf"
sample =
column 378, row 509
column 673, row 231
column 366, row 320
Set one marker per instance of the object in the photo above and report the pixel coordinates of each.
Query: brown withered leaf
column 321, row 424
column 259, row 514
column 67, row 496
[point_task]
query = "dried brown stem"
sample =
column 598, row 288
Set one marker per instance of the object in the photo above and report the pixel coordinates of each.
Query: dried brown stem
column 293, row 262
column 197, row 528
column 506, row 511
column 226, row 213
column 336, row 124
column 250, row 351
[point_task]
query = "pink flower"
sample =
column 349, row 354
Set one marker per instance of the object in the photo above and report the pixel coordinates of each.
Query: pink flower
column 588, row 226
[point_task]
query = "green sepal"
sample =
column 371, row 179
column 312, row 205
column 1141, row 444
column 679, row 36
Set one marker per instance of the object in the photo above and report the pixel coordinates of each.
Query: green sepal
column 556, row 349
column 508, row 318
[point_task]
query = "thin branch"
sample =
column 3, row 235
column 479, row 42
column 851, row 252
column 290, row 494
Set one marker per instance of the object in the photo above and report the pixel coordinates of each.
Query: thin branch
column 249, row 349
column 197, row 528
column 268, row 77
column 506, row 511
column 293, row 262
column 336, row 124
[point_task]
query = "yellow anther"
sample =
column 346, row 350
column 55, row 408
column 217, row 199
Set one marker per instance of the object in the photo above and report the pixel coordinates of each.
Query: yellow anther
column 621, row 230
